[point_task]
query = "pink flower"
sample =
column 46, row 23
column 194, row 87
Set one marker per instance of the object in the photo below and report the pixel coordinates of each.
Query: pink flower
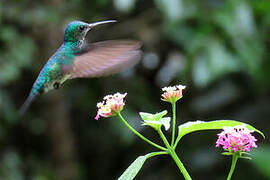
column 237, row 138
column 172, row 93
column 111, row 105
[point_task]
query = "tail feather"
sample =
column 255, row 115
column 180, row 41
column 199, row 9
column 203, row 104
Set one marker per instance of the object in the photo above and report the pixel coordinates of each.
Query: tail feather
column 27, row 103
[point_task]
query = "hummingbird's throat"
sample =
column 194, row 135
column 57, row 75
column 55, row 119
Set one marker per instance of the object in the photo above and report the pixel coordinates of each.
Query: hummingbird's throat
column 81, row 43
column 55, row 84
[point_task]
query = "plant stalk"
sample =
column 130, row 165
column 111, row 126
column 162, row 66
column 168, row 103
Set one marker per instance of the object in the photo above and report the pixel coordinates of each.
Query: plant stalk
column 234, row 160
column 174, row 156
column 156, row 153
column 174, row 117
column 138, row 134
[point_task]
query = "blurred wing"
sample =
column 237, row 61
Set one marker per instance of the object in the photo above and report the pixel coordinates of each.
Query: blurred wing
column 105, row 58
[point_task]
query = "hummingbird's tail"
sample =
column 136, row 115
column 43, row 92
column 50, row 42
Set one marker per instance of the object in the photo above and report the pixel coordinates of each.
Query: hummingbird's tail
column 27, row 103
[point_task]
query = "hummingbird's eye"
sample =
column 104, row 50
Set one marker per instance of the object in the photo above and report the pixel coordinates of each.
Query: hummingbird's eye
column 81, row 28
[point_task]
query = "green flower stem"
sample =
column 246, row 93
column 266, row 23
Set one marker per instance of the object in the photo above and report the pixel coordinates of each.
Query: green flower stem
column 174, row 156
column 164, row 138
column 234, row 160
column 176, row 142
column 173, row 130
column 156, row 153
column 138, row 134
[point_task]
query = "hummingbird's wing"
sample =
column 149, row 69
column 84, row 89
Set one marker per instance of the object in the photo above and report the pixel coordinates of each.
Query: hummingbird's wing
column 105, row 58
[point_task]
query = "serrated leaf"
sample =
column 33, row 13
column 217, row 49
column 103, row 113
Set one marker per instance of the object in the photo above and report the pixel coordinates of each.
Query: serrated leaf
column 190, row 127
column 152, row 117
column 156, row 120
column 160, row 115
column 157, row 124
column 166, row 122
column 146, row 116
column 135, row 167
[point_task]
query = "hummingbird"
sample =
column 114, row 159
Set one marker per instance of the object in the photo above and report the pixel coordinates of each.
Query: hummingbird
column 76, row 58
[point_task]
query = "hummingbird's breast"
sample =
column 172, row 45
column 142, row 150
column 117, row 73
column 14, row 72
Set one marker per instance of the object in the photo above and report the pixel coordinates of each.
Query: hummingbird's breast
column 52, row 75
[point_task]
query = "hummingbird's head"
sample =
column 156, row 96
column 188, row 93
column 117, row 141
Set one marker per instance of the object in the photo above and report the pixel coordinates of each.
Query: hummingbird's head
column 76, row 30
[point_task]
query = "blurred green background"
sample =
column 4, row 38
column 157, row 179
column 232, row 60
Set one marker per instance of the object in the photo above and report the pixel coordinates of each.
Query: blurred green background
column 219, row 49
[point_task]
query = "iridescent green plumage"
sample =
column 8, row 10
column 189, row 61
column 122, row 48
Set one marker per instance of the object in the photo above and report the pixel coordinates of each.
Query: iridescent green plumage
column 75, row 58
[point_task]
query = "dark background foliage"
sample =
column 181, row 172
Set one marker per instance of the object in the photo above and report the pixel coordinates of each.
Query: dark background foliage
column 219, row 49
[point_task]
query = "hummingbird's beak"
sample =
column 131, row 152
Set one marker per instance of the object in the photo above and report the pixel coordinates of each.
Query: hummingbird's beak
column 101, row 22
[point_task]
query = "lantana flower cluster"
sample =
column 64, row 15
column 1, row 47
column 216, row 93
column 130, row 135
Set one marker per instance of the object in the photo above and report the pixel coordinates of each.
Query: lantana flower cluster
column 237, row 138
column 111, row 105
column 172, row 93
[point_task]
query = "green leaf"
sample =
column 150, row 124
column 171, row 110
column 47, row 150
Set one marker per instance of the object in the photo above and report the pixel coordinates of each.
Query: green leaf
column 146, row 116
column 190, row 127
column 152, row 117
column 245, row 153
column 135, row 167
column 227, row 153
column 156, row 120
column 166, row 122
column 240, row 155
column 157, row 124
column 245, row 157
column 159, row 115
